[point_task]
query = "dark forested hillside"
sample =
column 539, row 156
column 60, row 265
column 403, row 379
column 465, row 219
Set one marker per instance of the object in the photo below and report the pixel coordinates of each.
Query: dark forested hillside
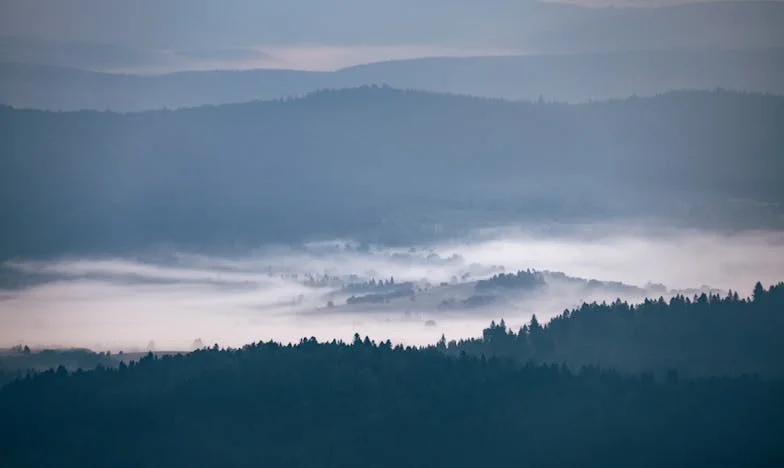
column 456, row 404
column 336, row 405
column 704, row 336
column 343, row 162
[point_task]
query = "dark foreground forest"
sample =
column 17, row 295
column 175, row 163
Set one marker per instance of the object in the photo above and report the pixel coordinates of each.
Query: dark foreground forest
column 703, row 336
column 374, row 404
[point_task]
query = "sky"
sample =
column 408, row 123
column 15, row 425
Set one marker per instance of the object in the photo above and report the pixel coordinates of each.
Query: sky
column 160, row 35
column 306, row 57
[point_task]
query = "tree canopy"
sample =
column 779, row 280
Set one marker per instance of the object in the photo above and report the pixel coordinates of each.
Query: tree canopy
column 502, row 399
column 708, row 335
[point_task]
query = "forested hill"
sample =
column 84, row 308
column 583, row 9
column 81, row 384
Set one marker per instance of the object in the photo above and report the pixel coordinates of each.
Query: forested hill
column 338, row 162
column 456, row 404
column 705, row 336
column 366, row 404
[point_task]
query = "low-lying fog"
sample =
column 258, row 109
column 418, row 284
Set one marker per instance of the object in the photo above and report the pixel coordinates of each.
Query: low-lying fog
column 168, row 300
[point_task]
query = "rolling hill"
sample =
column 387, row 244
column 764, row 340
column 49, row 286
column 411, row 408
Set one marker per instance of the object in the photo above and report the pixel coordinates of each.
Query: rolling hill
column 356, row 161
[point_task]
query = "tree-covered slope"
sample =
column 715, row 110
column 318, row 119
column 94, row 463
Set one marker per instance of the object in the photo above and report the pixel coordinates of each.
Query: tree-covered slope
column 705, row 336
column 338, row 405
column 341, row 162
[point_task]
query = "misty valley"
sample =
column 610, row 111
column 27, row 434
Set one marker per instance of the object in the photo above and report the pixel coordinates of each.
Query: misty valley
column 352, row 349
column 321, row 233
column 348, row 402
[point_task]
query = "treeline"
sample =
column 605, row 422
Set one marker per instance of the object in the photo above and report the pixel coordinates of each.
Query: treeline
column 372, row 285
column 605, row 385
column 333, row 404
column 383, row 298
column 707, row 335
column 522, row 280
column 21, row 361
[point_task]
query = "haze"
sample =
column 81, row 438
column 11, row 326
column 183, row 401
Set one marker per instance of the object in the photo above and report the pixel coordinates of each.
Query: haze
column 167, row 300
column 179, row 170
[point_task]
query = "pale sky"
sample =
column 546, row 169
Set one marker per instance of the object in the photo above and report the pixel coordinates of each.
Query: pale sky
column 156, row 36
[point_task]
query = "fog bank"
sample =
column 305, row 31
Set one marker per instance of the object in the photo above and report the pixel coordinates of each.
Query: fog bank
column 169, row 299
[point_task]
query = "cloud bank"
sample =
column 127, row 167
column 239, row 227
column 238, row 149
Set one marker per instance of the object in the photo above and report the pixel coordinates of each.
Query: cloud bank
column 173, row 298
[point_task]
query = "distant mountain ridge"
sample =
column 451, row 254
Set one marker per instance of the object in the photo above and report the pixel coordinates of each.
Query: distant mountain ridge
column 566, row 78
